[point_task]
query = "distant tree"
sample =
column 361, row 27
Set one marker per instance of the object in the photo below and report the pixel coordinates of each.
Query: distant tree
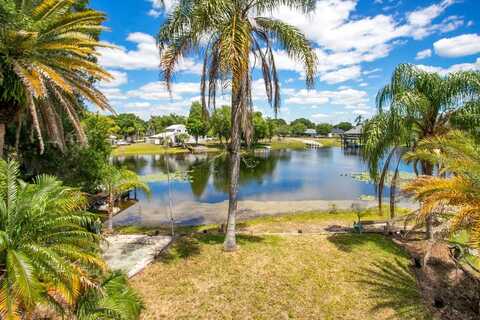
column 359, row 120
column 283, row 130
column 159, row 123
column 307, row 123
column 220, row 122
column 260, row 127
column 130, row 125
column 272, row 126
column 298, row 129
column 345, row 126
column 324, row 128
column 197, row 122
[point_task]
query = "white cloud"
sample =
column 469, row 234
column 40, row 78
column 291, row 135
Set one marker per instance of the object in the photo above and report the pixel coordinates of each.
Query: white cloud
column 119, row 78
column 475, row 66
column 138, row 104
column 423, row 54
column 460, row 46
column 114, row 94
column 158, row 91
column 319, row 115
column 144, row 56
column 345, row 97
column 342, row 75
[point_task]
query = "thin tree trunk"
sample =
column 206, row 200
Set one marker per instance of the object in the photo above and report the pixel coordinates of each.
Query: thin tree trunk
column 111, row 205
column 427, row 170
column 234, row 167
column 2, row 139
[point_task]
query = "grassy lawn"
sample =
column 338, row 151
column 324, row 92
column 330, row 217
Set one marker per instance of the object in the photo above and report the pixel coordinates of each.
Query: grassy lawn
column 147, row 148
column 307, row 276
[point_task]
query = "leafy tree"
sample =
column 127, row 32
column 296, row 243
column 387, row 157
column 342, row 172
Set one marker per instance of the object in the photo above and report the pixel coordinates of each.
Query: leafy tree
column 298, row 129
column 283, row 130
column 421, row 105
column 130, row 125
column 307, row 123
column 47, row 255
column 197, row 123
column 114, row 299
column 46, row 66
column 345, row 126
column 457, row 156
column 220, row 122
column 115, row 182
column 159, row 123
column 324, row 128
column 235, row 29
column 260, row 127
column 272, row 127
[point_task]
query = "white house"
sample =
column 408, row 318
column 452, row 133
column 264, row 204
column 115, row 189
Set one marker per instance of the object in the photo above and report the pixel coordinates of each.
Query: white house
column 170, row 133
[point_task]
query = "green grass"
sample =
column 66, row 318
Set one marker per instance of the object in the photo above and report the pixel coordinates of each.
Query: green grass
column 307, row 276
column 145, row 148
column 287, row 143
column 329, row 142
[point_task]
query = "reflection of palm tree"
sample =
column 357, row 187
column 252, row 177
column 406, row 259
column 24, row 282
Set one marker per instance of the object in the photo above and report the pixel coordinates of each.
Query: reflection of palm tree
column 199, row 175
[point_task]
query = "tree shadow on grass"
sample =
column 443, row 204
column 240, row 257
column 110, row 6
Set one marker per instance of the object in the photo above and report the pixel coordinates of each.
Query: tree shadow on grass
column 392, row 285
column 348, row 242
column 187, row 246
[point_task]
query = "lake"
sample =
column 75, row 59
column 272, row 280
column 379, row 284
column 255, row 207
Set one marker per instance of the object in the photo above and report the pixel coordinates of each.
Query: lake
column 270, row 182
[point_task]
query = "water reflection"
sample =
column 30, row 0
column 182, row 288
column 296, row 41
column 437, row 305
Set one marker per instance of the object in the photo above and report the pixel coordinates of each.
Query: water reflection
column 277, row 175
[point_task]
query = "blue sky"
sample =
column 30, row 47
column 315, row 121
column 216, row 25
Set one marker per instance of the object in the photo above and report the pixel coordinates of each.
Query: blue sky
column 358, row 43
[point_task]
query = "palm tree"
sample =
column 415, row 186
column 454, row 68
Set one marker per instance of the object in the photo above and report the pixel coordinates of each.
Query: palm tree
column 420, row 105
column 114, row 299
column 46, row 65
column 457, row 156
column 47, row 255
column 226, row 33
column 115, row 182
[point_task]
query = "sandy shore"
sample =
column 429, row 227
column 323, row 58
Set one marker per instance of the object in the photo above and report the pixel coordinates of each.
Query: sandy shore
column 194, row 213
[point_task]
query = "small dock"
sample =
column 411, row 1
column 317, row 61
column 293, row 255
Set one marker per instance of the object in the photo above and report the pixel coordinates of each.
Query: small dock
column 312, row 144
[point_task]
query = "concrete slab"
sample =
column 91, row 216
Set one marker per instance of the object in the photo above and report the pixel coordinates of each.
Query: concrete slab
column 132, row 253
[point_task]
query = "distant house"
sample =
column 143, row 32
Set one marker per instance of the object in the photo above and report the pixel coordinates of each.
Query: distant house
column 310, row 132
column 353, row 136
column 169, row 135
column 336, row 132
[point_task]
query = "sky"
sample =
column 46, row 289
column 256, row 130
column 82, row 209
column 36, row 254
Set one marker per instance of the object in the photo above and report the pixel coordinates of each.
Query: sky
column 358, row 44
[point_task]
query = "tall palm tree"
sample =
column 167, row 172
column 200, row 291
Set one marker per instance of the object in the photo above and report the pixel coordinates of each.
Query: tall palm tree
column 47, row 255
column 115, row 182
column 457, row 156
column 228, row 33
column 47, row 65
column 415, row 105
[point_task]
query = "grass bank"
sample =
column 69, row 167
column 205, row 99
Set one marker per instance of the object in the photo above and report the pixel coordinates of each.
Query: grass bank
column 307, row 276
column 147, row 148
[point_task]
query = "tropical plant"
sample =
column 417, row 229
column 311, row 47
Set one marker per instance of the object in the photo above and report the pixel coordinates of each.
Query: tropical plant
column 197, row 122
column 227, row 32
column 457, row 188
column 47, row 255
column 420, row 105
column 113, row 299
column 115, row 182
column 46, row 50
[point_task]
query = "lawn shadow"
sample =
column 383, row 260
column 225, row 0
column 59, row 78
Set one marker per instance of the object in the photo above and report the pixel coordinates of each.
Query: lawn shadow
column 348, row 242
column 392, row 285
column 189, row 245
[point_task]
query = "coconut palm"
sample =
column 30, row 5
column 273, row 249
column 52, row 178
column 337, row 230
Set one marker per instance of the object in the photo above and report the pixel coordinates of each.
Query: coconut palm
column 47, row 65
column 457, row 156
column 47, row 255
column 420, row 105
column 227, row 34
column 114, row 299
column 115, row 182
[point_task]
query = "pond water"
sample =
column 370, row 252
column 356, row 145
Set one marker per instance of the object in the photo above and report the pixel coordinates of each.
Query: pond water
column 282, row 179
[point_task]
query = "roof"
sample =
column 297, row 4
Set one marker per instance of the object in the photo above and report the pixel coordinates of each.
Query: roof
column 337, row 130
column 355, row 130
column 176, row 126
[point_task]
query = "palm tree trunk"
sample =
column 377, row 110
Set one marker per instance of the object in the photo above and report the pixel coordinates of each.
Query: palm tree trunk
column 2, row 138
column 427, row 169
column 234, row 167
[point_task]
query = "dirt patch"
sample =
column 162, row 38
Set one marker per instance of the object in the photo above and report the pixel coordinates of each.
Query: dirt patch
column 450, row 292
